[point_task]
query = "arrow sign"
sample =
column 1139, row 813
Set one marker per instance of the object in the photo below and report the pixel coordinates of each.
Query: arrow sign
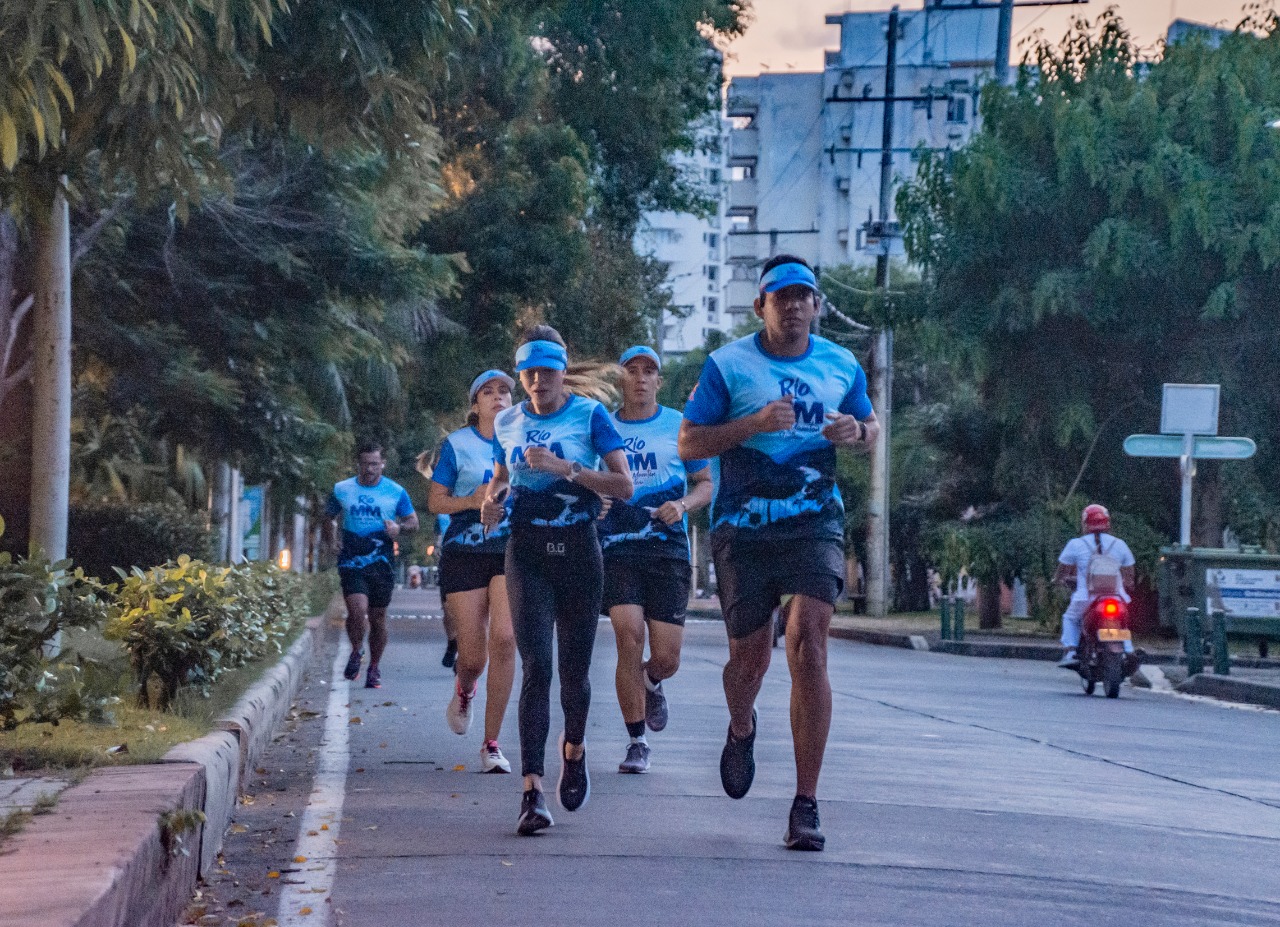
column 1205, row 447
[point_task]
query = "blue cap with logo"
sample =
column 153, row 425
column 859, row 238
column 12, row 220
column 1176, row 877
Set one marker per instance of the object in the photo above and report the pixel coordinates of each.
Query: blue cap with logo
column 485, row 378
column 640, row 350
column 541, row 354
column 785, row 275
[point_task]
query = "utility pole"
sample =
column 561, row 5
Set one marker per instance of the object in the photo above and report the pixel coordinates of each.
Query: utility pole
column 1004, row 41
column 882, row 382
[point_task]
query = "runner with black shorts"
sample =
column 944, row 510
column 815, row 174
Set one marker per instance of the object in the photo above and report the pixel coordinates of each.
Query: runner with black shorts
column 374, row 511
column 646, row 551
column 549, row 448
column 472, row 585
column 773, row 407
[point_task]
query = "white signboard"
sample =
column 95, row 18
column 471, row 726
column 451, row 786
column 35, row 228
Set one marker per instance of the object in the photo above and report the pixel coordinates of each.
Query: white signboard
column 1244, row 593
column 1190, row 409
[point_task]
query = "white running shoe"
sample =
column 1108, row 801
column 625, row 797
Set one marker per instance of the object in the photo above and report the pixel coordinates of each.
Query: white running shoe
column 491, row 758
column 458, row 712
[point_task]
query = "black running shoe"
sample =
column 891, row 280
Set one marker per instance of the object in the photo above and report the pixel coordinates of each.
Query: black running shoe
column 450, row 653
column 353, row 665
column 738, row 762
column 534, row 815
column 803, row 830
column 655, row 707
column 574, row 787
column 373, row 677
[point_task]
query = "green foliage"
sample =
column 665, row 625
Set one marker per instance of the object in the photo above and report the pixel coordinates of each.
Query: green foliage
column 38, row 600
column 186, row 623
column 1111, row 228
column 105, row 536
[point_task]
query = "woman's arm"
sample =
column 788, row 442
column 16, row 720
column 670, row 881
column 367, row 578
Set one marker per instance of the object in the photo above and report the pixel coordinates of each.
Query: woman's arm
column 493, row 509
column 615, row 482
column 698, row 497
column 441, row 501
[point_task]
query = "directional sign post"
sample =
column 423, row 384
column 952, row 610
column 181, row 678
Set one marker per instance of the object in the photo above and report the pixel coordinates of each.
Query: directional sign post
column 1189, row 420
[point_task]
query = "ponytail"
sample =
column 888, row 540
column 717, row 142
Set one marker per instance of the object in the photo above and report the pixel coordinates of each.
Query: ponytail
column 425, row 463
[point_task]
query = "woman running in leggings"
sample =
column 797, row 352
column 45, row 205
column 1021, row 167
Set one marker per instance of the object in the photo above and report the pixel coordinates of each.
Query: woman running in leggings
column 472, row 583
column 549, row 448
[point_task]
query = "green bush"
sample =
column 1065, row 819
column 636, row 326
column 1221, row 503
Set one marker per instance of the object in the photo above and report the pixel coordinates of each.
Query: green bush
column 39, row 599
column 103, row 536
column 186, row 623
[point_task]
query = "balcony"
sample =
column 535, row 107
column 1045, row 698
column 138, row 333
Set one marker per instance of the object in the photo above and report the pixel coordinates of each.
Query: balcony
column 744, row 143
column 743, row 194
column 743, row 249
column 740, row 296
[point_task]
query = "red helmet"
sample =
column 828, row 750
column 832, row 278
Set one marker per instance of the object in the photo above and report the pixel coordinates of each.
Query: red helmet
column 1095, row 518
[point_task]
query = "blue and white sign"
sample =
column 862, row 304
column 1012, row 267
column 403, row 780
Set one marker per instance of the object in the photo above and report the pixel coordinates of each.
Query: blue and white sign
column 1244, row 593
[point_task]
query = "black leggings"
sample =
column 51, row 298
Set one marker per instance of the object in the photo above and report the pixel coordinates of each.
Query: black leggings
column 554, row 580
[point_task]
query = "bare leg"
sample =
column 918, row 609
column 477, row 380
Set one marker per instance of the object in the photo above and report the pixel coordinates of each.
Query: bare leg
column 357, row 619
column 628, row 628
column 377, row 634
column 743, row 676
column 665, row 641
column 502, row 658
column 470, row 612
column 809, row 621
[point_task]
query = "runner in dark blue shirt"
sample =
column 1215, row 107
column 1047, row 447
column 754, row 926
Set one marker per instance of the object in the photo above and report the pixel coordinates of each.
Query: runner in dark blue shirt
column 374, row 511
column 774, row 407
column 549, row 450
column 646, row 551
column 473, row 586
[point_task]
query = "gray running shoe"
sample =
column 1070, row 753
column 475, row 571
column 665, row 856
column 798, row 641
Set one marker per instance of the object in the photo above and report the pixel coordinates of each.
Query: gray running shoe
column 655, row 708
column 574, row 787
column 534, row 815
column 803, row 829
column 637, row 760
column 738, row 762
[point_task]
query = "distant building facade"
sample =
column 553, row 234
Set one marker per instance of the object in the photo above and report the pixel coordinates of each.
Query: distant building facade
column 804, row 148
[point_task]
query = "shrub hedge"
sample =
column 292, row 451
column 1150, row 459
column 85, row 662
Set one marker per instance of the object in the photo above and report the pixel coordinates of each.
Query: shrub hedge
column 104, row 536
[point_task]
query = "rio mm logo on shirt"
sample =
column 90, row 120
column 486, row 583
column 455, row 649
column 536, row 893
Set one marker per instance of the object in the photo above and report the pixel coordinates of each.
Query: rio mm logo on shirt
column 639, row 460
column 810, row 412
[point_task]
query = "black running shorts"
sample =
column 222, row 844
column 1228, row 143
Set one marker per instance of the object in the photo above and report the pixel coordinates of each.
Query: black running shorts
column 754, row 576
column 376, row 581
column 465, row 572
column 659, row 585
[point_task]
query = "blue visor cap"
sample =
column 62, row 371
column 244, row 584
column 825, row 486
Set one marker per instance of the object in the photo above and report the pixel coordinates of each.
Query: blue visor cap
column 785, row 275
column 541, row 354
column 640, row 350
column 486, row 377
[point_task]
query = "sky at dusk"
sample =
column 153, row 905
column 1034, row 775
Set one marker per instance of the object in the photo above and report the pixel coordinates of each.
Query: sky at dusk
column 792, row 32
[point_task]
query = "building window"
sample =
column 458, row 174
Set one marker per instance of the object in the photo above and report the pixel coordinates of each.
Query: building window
column 712, row 239
column 713, row 175
column 713, row 307
column 742, row 172
column 711, row 272
column 958, row 109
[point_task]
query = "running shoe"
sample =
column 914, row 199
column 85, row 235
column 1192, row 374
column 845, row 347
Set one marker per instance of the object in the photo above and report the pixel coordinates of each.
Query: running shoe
column 574, row 787
column 353, row 665
column 637, row 760
column 373, row 677
column 492, row 760
column 655, row 707
column 534, row 815
column 738, row 762
column 458, row 711
column 803, row 830
column 450, row 653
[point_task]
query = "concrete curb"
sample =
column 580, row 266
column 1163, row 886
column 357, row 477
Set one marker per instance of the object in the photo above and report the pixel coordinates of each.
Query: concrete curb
column 100, row 859
column 1004, row 651
column 229, row 755
column 1229, row 689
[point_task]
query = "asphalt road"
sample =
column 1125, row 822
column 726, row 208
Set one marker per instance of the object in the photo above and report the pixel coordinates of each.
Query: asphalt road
column 956, row 791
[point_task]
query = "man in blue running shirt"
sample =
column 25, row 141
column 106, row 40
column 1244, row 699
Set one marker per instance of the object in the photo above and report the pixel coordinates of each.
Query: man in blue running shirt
column 773, row 407
column 373, row 511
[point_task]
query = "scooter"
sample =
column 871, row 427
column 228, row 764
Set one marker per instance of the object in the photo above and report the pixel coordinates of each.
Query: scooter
column 1103, row 641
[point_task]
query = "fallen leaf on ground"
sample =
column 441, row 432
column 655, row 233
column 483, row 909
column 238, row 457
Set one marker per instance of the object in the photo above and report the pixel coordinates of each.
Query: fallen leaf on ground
column 299, row 859
column 238, row 829
column 117, row 749
column 461, row 767
column 273, row 874
column 505, row 863
column 356, row 720
column 324, row 826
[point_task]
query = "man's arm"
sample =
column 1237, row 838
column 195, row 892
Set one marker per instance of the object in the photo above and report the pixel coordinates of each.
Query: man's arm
column 702, row 442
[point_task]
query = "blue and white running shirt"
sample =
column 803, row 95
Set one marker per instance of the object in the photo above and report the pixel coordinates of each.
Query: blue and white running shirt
column 660, row 476
column 779, row 485
column 363, row 509
column 467, row 461
column 580, row 430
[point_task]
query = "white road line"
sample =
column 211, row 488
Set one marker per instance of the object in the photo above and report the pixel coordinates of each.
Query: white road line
column 310, row 889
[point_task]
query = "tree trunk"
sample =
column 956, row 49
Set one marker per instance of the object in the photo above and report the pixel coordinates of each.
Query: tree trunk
column 989, row 604
column 51, row 383
column 15, row 389
column 220, row 509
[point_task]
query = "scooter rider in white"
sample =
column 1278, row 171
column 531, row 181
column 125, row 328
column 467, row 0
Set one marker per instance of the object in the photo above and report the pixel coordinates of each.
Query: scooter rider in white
column 1073, row 570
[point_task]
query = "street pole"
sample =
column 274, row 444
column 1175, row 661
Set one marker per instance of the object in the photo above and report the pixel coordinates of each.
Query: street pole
column 1004, row 41
column 882, row 382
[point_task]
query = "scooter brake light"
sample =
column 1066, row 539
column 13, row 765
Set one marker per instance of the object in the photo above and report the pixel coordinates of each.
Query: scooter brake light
column 1110, row 608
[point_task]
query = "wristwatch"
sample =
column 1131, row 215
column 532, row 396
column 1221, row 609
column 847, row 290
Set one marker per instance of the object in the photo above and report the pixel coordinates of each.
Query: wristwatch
column 574, row 469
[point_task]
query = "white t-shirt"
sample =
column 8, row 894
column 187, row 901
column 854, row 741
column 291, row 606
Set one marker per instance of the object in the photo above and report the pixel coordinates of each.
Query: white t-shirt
column 1078, row 552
